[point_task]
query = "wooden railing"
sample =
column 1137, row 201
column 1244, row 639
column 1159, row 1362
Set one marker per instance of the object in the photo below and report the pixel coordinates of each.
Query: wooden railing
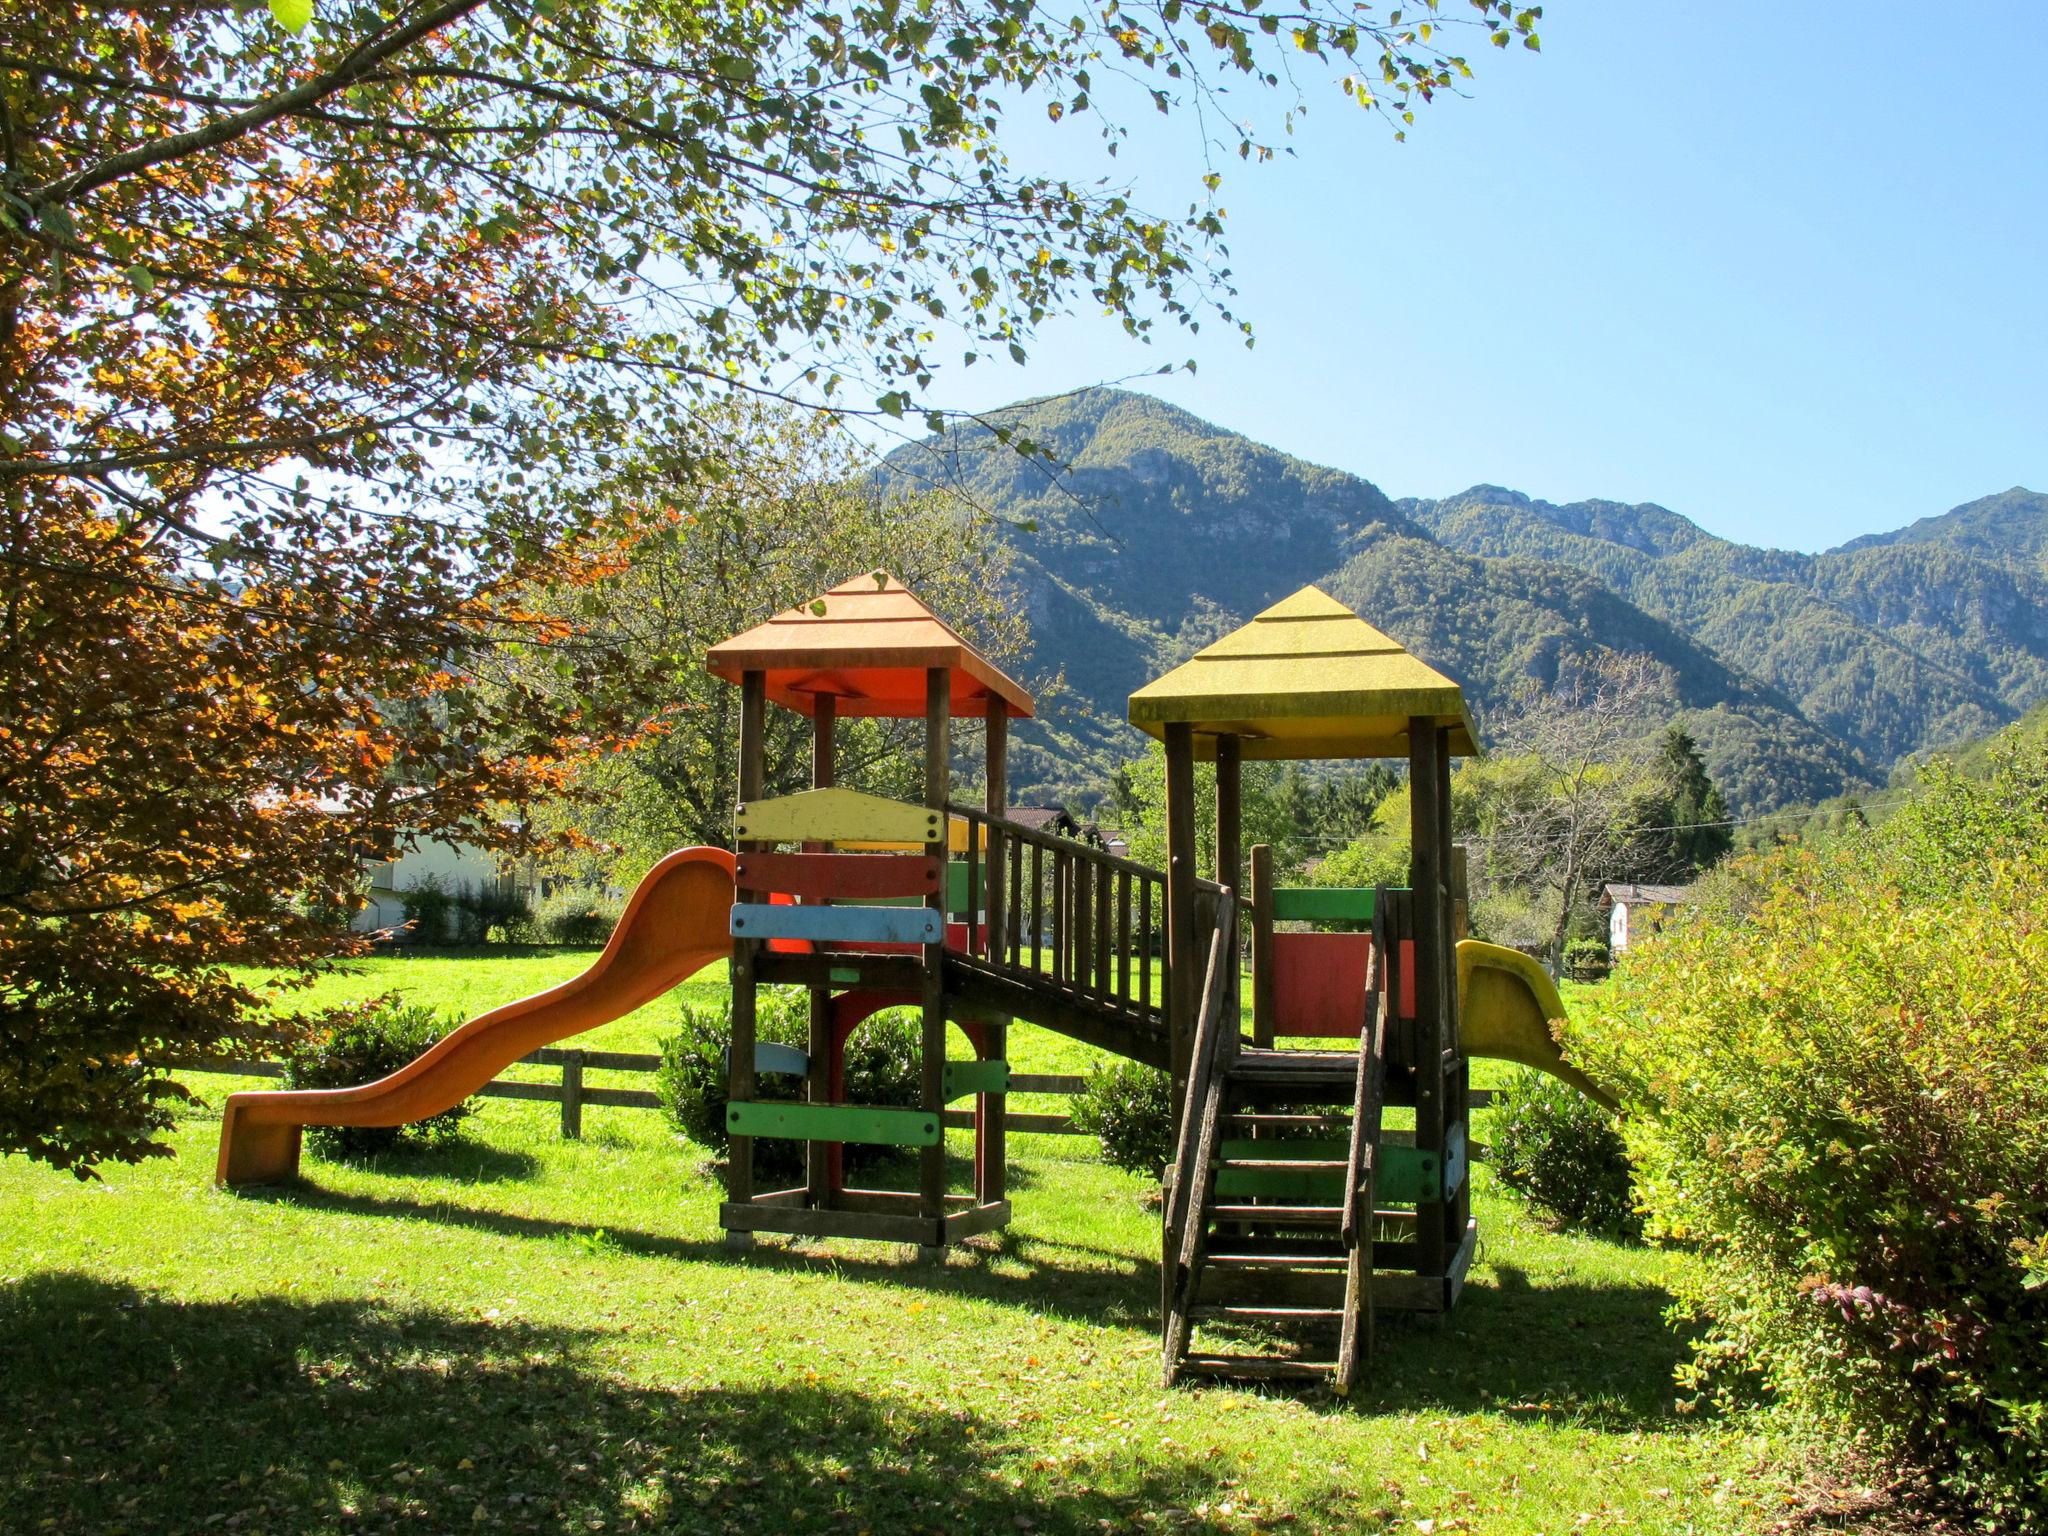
column 1063, row 913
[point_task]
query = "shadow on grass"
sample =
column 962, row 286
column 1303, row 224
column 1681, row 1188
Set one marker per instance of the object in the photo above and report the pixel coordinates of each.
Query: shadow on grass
column 130, row 1410
column 1069, row 1280
column 459, row 1160
column 1597, row 1355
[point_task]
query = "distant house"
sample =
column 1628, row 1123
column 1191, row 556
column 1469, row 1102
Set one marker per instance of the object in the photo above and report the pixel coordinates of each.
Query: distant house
column 1637, row 911
column 454, row 865
column 1059, row 821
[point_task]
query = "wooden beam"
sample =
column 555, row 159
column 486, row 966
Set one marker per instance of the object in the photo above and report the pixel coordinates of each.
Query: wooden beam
column 1183, row 963
column 1230, row 839
column 1428, row 847
column 938, row 788
column 741, row 1082
column 824, row 755
column 1261, row 907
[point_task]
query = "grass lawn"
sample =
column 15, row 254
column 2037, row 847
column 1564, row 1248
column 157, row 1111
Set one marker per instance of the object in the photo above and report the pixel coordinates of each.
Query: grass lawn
column 516, row 1332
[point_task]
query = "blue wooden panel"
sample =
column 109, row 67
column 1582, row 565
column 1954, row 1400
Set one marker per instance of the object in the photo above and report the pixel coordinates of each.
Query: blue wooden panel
column 771, row 1057
column 838, row 925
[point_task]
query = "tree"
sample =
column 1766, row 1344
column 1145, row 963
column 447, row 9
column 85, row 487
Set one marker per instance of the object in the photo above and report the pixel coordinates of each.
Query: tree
column 317, row 351
column 1585, row 745
column 1690, row 829
column 793, row 518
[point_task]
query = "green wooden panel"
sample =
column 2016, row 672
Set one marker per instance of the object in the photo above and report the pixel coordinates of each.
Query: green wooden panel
column 1328, row 904
column 843, row 976
column 1408, row 1176
column 1304, row 1188
column 1405, row 1173
column 1319, row 1149
column 860, row 1123
column 958, row 874
column 965, row 1077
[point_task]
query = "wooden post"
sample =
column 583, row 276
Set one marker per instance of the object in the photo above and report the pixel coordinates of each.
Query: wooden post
column 741, row 1082
column 992, row 1107
column 572, row 1095
column 1262, row 944
column 1183, row 964
column 1426, row 877
column 994, row 890
column 938, row 747
column 1457, row 1074
column 1230, row 842
column 817, row 1085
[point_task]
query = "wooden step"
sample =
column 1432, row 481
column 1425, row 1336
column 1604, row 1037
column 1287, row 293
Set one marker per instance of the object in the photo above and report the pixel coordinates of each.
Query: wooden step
column 1257, row 1368
column 1251, row 1123
column 1258, row 1282
column 1280, row 1215
column 1275, row 1312
column 1289, row 1164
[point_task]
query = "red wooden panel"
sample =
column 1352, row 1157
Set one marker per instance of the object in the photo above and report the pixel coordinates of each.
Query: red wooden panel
column 1319, row 982
column 838, row 876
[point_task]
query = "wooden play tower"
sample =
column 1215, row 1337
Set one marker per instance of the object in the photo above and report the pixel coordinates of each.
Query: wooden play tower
column 856, row 911
column 1292, row 1209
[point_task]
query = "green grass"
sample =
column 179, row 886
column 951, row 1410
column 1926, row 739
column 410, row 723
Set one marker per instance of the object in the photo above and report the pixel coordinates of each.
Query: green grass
column 513, row 1332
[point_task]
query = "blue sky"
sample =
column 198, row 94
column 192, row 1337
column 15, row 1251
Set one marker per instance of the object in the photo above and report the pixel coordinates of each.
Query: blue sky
column 1783, row 269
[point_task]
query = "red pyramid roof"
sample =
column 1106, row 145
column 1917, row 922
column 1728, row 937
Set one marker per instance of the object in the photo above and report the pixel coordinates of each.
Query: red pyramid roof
column 867, row 642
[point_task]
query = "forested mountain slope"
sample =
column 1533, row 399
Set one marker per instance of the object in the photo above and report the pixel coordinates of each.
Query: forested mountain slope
column 1801, row 675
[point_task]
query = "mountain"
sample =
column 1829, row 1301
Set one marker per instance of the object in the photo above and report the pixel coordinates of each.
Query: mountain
column 1801, row 675
column 2011, row 525
column 1891, row 648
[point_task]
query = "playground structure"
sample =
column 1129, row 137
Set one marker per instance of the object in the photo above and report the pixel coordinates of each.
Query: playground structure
column 1291, row 1209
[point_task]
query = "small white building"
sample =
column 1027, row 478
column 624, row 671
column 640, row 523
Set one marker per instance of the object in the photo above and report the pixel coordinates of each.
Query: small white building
column 1637, row 911
column 455, row 865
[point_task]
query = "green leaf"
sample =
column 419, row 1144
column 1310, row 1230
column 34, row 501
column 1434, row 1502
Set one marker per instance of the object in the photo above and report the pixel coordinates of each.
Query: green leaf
column 895, row 403
column 140, row 278
column 292, row 15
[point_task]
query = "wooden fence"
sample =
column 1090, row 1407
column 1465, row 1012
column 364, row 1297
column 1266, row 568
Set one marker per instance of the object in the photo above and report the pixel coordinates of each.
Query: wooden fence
column 572, row 1093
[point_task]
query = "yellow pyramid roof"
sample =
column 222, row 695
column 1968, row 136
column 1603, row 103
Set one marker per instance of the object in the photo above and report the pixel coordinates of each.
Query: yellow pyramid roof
column 1307, row 678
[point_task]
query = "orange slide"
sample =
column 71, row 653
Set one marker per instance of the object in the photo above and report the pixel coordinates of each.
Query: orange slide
column 676, row 923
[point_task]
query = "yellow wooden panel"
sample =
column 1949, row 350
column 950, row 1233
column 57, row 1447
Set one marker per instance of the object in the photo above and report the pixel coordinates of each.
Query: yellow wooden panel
column 842, row 816
column 956, row 841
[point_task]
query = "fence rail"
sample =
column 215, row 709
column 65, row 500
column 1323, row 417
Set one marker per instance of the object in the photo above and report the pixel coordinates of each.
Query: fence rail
column 572, row 1093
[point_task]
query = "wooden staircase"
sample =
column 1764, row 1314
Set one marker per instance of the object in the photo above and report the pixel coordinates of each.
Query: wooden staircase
column 1268, row 1233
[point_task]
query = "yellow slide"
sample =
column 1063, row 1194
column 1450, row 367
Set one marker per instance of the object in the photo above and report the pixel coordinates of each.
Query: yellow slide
column 1505, row 1004
column 675, row 924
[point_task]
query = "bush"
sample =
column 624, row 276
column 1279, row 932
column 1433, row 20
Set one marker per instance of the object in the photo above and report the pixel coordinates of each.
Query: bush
column 433, row 913
column 1840, row 1096
column 360, row 1044
column 1587, row 959
column 577, row 914
column 494, row 911
column 1128, row 1107
column 1561, row 1153
column 883, row 1066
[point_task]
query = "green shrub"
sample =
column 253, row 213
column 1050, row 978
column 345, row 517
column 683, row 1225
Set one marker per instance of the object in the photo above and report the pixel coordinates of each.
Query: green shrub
column 1128, row 1107
column 1587, row 955
column 359, row 1044
column 433, row 913
column 1561, row 1153
column 1838, row 1092
column 576, row 914
column 883, row 1066
column 494, row 911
